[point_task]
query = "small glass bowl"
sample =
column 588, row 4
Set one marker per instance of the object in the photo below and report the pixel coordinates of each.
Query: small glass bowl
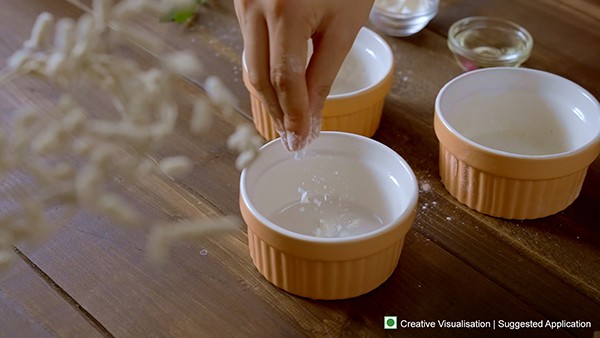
column 402, row 17
column 482, row 42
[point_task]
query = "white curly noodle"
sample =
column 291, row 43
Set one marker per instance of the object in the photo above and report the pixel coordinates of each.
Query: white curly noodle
column 67, row 158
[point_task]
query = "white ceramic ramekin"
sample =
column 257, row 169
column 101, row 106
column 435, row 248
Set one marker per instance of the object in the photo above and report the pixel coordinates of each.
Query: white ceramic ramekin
column 514, row 142
column 357, row 111
column 340, row 167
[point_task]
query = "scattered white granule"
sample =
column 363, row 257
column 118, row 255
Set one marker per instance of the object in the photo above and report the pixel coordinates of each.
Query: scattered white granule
column 425, row 187
column 304, row 196
column 328, row 229
column 293, row 142
column 300, row 154
column 448, row 218
column 353, row 224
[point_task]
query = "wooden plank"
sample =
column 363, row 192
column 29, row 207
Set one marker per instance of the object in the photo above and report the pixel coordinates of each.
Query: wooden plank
column 30, row 307
column 113, row 274
column 423, row 65
column 463, row 267
column 221, row 293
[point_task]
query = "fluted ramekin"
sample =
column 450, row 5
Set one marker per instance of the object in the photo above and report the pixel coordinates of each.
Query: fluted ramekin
column 514, row 142
column 335, row 267
column 357, row 111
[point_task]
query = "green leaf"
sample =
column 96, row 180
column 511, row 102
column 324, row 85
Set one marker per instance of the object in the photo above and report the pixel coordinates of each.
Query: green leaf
column 182, row 15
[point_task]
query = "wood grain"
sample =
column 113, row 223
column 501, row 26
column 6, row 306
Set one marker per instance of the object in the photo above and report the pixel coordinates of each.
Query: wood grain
column 456, row 264
column 30, row 306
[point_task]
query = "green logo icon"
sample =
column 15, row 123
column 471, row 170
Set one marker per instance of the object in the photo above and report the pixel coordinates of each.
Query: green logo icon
column 390, row 322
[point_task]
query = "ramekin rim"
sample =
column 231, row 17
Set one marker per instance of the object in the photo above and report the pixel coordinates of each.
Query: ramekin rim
column 400, row 220
column 388, row 72
column 593, row 141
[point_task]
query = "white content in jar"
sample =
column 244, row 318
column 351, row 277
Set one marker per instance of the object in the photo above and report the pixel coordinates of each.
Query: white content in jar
column 402, row 6
column 352, row 76
column 331, row 217
column 320, row 201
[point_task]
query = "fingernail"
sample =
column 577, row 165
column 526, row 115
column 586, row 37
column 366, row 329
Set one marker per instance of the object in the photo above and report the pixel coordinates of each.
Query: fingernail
column 315, row 127
column 279, row 126
column 284, row 139
column 295, row 142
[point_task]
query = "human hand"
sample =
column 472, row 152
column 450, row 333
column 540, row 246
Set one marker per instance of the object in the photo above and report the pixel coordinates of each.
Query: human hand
column 276, row 33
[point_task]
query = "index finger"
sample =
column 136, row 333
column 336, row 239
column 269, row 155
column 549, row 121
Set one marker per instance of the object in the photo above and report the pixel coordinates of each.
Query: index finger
column 288, row 49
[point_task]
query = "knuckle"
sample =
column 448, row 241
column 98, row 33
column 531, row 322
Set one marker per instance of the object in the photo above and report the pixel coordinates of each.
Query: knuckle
column 281, row 78
column 294, row 116
column 280, row 7
column 243, row 5
column 257, row 82
column 322, row 91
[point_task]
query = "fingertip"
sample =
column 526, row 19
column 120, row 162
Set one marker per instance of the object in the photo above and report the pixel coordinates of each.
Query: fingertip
column 295, row 142
column 297, row 128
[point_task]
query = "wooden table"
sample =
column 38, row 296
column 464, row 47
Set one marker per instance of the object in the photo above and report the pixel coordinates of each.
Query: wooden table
column 91, row 278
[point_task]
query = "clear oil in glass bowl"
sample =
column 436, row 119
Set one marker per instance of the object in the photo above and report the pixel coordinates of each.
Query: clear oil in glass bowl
column 481, row 42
